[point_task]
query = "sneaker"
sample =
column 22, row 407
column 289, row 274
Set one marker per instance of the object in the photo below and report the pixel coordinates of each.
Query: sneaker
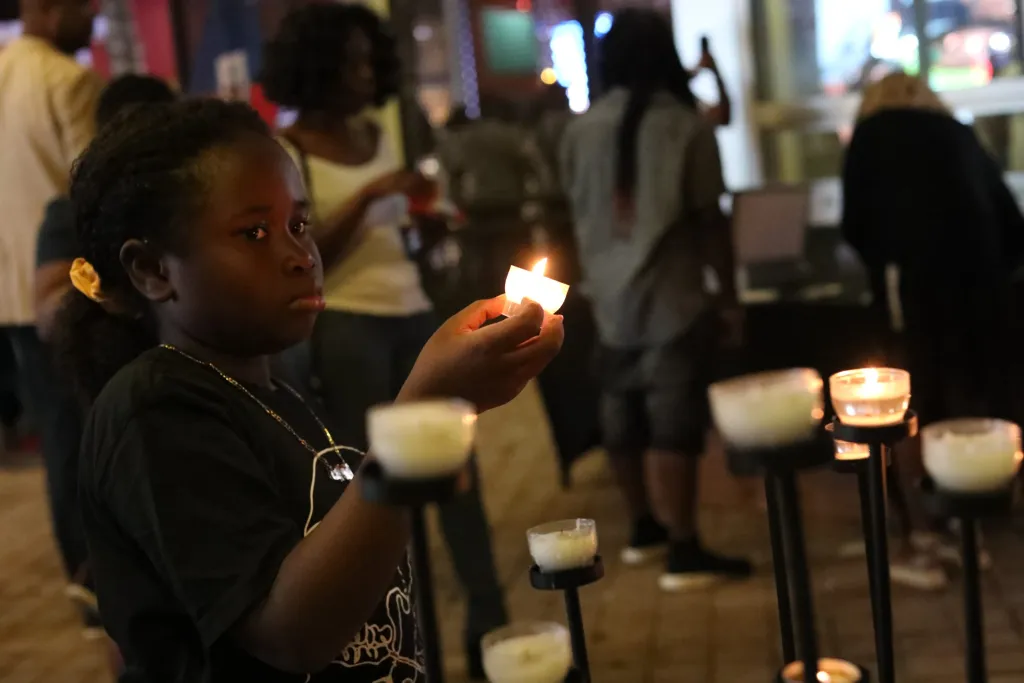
column 918, row 570
column 649, row 542
column 947, row 548
column 690, row 567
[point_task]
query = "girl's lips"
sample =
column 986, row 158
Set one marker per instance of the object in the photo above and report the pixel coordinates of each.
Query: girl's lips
column 314, row 304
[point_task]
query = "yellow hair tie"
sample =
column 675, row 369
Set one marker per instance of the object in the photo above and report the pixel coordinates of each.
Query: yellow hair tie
column 86, row 280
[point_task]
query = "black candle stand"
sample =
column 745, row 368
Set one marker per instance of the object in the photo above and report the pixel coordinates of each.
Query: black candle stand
column 872, row 476
column 377, row 487
column 569, row 582
column 779, row 467
column 968, row 508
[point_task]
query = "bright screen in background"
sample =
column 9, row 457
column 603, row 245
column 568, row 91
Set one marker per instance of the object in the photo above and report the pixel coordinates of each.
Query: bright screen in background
column 568, row 58
column 845, row 38
column 510, row 41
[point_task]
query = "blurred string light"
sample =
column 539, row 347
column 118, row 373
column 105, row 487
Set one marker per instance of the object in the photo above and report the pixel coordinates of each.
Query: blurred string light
column 548, row 76
column 603, row 24
column 568, row 58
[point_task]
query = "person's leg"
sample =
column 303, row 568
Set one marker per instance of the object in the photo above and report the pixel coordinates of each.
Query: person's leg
column 679, row 416
column 463, row 522
column 625, row 435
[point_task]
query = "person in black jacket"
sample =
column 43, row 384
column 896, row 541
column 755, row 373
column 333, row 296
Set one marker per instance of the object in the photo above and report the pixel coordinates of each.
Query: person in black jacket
column 923, row 199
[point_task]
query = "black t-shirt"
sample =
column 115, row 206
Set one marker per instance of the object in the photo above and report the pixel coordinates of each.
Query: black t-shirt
column 192, row 497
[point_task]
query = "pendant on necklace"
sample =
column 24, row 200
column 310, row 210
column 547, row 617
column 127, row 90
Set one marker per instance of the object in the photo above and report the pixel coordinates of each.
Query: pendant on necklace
column 337, row 466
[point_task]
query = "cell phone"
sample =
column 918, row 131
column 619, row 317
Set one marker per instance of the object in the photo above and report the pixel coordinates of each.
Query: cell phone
column 705, row 44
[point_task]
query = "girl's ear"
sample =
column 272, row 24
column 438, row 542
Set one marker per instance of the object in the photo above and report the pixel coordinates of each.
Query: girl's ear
column 146, row 271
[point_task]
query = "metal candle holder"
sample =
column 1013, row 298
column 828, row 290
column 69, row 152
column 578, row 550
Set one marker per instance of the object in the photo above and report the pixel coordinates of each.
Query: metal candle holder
column 968, row 508
column 779, row 466
column 879, row 440
column 377, row 487
column 569, row 582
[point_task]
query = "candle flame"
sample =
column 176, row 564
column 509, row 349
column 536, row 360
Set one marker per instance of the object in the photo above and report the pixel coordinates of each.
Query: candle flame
column 541, row 266
column 870, row 377
column 824, row 677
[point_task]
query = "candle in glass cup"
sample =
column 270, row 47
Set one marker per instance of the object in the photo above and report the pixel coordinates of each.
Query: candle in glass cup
column 528, row 652
column 531, row 284
column 422, row 439
column 562, row 545
column 768, row 409
column 870, row 397
column 972, row 455
column 852, row 451
column 830, row 670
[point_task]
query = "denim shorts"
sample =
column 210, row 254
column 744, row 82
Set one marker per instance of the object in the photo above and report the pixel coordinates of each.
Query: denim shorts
column 657, row 397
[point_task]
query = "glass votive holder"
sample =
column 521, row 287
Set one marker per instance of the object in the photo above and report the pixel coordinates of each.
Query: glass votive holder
column 972, row 455
column 851, row 451
column 830, row 670
column 562, row 545
column 527, row 652
column 870, row 397
column 768, row 409
column 422, row 439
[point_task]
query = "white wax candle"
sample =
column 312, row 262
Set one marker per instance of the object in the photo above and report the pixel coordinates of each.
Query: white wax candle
column 531, row 284
column 568, row 544
column 768, row 409
column 426, row 439
column 972, row 455
column 531, row 658
column 870, row 397
column 829, row 671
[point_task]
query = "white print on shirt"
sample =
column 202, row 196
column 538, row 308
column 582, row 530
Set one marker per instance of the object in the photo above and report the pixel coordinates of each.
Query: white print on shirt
column 379, row 645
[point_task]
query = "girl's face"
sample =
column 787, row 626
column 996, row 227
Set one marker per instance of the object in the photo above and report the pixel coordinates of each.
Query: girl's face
column 248, row 280
column 358, row 87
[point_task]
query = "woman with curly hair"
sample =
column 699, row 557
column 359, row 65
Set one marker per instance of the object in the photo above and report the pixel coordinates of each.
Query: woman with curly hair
column 332, row 63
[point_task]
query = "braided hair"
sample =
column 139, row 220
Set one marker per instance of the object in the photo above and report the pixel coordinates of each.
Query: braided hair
column 304, row 63
column 639, row 55
column 143, row 178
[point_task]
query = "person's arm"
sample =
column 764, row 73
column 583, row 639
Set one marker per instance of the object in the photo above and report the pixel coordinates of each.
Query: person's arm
column 55, row 251
column 75, row 110
column 704, row 186
column 721, row 113
column 211, row 521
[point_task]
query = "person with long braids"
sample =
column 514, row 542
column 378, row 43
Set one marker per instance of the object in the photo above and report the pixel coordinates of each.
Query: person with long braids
column 644, row 178
column 223, row 548
column 333, row 63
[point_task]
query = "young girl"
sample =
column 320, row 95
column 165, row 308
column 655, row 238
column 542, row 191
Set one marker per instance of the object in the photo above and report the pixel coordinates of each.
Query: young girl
column 223, row 548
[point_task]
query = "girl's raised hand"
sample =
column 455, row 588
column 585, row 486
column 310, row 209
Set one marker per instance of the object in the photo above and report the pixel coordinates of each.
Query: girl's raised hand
column 489, row 365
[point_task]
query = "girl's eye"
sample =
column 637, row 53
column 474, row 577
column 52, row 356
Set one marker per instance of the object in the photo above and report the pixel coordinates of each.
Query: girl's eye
column 300, row 227
column 255, row 233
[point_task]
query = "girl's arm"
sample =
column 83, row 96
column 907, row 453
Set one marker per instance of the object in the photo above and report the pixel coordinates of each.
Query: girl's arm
column 331, row 582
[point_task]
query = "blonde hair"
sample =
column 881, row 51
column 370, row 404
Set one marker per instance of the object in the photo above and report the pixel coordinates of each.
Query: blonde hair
column 899, row 91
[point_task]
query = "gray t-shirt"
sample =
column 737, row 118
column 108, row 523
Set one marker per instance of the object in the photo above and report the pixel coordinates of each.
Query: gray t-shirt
column 644, row 280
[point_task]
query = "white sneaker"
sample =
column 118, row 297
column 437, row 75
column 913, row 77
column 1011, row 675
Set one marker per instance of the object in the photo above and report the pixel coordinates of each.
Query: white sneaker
column 921, row 571
column 947, row 548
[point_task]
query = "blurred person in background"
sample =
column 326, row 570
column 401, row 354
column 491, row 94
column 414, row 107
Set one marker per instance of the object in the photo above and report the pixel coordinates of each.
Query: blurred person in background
column 644, row 178
column 61, row 413
column 47, row 110
column 378, row 317
column 940, row 234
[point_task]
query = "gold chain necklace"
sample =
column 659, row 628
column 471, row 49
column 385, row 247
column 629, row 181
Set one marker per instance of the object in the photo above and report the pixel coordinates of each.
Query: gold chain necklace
column 340, row 471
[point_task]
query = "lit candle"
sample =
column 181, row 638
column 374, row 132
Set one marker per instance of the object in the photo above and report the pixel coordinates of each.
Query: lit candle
column 852, row 451
column 531, row 284
column 567, row 544
column 768, row 409
column 972, row 455
column 425, row 439
column 829, row 671
column 527, row 653
column 870, row 397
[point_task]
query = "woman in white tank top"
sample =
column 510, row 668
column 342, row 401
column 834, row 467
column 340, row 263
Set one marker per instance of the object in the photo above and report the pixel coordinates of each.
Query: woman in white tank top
column 332, row 63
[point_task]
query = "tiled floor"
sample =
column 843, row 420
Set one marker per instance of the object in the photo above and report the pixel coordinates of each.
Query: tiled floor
column 636, row 634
